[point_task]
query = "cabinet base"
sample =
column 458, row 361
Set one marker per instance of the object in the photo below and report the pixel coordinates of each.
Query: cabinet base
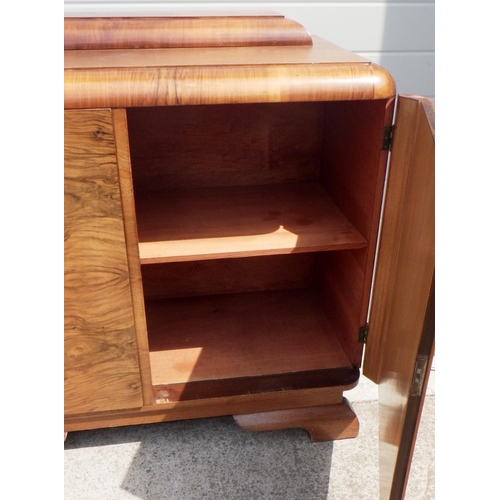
column 323, row 423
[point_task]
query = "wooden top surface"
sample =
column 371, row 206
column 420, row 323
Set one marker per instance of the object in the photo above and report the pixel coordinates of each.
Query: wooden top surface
column 222, row 60
column 182, row 31
column 321, row 52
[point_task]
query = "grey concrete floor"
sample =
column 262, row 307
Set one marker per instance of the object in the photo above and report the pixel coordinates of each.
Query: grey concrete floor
column 214, row 459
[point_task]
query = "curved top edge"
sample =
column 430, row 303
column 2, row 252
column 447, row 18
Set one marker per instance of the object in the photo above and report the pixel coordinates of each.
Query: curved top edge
column 181, row 32
column 153, row 86
column 384, row 85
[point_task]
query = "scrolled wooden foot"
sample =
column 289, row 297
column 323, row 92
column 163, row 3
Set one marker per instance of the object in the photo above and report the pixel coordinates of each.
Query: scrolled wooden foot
column 323, row 423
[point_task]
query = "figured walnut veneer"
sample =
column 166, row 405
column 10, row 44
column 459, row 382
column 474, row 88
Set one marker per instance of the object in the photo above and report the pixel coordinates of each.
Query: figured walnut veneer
column 182, row 31
column 101, row 358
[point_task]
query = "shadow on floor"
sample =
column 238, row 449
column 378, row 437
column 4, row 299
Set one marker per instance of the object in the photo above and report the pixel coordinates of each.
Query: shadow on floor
column 203, row 459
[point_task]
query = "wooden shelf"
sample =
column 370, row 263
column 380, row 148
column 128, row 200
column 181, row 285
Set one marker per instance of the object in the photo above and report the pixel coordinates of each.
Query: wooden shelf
column 212, row 223
column 241, row 336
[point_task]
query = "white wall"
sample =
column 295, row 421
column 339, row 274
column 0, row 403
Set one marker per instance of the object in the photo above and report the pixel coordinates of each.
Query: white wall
column 399, row 35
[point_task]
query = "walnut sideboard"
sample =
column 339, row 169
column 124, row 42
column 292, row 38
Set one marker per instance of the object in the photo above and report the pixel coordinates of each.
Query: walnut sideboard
column 225, row 179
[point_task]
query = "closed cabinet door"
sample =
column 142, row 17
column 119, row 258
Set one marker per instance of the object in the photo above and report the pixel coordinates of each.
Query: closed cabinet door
column 101, row 370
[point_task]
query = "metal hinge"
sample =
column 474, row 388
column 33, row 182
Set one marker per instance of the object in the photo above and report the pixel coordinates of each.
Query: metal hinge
column 419, row 375
column 363, row 334
column 387, row 138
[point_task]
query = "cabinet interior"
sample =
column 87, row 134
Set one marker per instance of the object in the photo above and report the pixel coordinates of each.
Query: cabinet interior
column 256, row 227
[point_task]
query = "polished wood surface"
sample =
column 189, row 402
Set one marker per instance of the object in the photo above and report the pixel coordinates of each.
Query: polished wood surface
column 407, row 233
column 130, row 228
column 404, row 278
column 132, row 76
column 101, row 358
column 182, row 31
column 201, row 408
column 241, row 221
column 166, row 86
column 274, row 148
column 415, row 406
column 241, row 335
column 322, row 52
column 323, row 423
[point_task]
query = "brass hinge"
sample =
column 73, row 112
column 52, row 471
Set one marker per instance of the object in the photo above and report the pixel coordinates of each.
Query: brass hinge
column 419, row 375
column 387, row 138
column 363, row 334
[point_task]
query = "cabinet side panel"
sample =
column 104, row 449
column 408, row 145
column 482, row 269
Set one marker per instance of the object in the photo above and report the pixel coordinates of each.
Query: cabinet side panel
column 353, row 173
column 101, row 359
column 341, row 277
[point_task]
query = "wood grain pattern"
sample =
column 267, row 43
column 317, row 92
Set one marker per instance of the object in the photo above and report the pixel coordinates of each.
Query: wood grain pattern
column 341, row 277
column 201, row 408
column 404, row 277
column 241, row 335
column 205, row 389
column 210, row 277
column 323, row 423
column 171, row 76
column 182, row 31
column 259, row 175
column 101, row 359
column 241, row 221
column 407, row 233
column 322, row 52
column 119, row 117
column 415, row 406
column 224, row 145
column 352, row 170
column 353, row 174
column 170, row 86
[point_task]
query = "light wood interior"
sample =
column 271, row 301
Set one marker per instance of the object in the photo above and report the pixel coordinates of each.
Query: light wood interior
column 236, row 336
column 255, row 225
column 211, row 223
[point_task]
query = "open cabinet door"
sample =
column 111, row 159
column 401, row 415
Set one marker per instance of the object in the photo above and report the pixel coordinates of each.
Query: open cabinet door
column 400, row 342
